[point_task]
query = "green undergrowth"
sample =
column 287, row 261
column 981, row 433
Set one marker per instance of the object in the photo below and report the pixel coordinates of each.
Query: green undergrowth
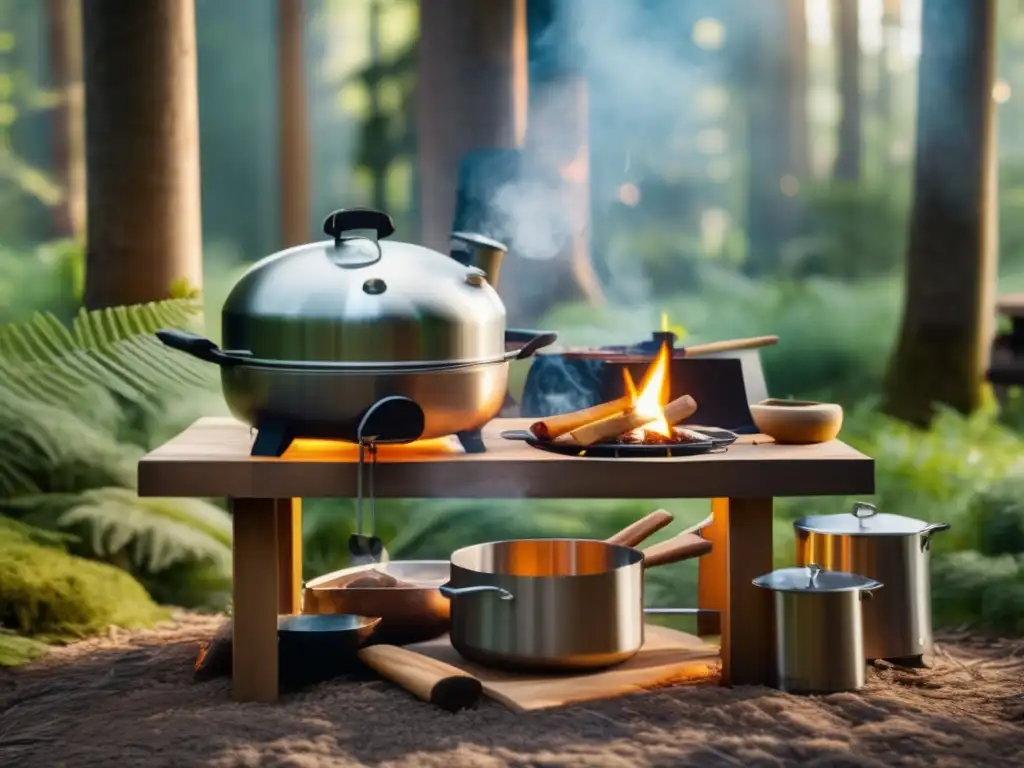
column 49, row 595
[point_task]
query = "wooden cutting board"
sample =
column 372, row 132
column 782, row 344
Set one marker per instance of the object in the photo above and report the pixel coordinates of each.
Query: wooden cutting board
column 668, row 657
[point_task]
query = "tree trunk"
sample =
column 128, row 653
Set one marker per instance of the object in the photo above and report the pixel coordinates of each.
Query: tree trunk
column 293, row 116
column 378, row 170
column 849, row 142
column 951, row 260
column 796, row 84
column 776, row 130
column 891, row 17
column 142, row 148
column 68, row 117
column 471, row 94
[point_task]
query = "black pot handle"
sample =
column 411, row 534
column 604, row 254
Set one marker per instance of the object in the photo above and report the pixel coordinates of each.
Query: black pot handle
column 534, row 340
column 200, row 347
column 349, row 219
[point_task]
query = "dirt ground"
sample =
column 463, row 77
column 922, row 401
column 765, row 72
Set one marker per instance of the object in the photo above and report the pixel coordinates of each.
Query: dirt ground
column 129, row 700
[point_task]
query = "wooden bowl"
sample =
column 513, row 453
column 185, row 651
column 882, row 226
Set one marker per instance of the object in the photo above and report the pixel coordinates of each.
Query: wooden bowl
column 798, row 422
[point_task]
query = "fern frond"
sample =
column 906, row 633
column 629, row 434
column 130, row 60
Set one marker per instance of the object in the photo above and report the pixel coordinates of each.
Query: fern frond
column 155, row 534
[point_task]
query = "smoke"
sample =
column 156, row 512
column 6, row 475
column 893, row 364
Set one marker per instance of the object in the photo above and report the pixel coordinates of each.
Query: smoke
column 609, row 84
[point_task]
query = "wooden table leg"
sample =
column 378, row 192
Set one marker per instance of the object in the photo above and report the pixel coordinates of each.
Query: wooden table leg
column 289, row 555
column 255, row 600
column 741, row 537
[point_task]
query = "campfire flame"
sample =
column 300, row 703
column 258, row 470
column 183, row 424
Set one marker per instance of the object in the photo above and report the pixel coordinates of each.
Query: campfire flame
column 653, row 395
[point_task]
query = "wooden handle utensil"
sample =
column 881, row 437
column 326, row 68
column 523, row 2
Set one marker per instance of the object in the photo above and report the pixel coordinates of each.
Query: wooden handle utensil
column 428, row 679
column 729, row 346
column 683, row 546
column 642, row 529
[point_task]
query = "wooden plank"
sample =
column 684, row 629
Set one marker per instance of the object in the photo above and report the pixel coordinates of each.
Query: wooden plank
column 288, row 513
column 741, row 537
column 254, row 603
column 211, row 458
column 668, row 657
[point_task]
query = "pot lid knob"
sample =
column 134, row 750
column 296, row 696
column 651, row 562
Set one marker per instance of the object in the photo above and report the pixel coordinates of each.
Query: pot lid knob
column 862, row 510
column 354, row 219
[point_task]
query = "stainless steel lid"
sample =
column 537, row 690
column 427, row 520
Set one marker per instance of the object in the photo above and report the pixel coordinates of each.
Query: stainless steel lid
column 865, row 520
column 359, row 298
column 814, row 578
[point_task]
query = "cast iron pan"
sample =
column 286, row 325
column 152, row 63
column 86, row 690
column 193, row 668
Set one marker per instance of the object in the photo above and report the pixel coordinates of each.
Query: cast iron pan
column 718, row 440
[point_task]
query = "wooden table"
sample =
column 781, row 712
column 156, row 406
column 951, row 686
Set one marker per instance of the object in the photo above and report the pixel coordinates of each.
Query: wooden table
column 211, row 458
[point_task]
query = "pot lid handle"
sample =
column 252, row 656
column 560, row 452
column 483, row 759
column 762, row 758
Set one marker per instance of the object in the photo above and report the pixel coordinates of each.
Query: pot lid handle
column 861, row 510
column 814, row 569
column 349, row 219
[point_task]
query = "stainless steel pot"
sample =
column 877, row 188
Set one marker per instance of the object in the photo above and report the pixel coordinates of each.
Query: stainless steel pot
column 819, row 641
column 404, row 593
column 316, row 334
column 555, row 604
column 893, row 549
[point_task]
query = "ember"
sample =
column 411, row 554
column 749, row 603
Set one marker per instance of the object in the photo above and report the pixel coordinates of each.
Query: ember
column 646, row 437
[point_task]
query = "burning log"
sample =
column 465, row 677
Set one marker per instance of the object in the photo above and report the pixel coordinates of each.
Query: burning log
column 554, row 427
column 615, row 426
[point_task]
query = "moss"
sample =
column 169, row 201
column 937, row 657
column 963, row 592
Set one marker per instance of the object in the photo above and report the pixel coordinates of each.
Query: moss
column 48, row 593
column 16, row 650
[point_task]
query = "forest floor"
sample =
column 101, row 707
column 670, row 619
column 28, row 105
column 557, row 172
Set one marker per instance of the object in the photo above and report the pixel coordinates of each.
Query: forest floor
column 128, row 699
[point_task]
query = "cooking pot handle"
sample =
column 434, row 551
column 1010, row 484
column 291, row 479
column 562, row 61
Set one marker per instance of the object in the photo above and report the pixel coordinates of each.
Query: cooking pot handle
column 451, row 592
column 348, row 219
column 534, row 340
column 201, row 347
column 931, row 528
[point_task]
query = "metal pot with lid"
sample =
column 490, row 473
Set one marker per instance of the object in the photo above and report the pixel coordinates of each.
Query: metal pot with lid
column 316, row 334
column 890, row 548
column 819, row 645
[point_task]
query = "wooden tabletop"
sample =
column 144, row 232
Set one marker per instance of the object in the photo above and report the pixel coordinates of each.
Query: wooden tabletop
column 211, row 458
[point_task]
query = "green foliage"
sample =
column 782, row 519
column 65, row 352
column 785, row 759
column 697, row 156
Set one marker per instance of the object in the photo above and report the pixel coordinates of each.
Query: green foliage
column 997, row 517
column 850, row 231
column 77, row 409
column 986, row 593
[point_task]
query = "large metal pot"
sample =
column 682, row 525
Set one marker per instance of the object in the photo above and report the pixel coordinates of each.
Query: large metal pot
column 316, row 334
column 555, row 605
column 819, row 642
column 893, row 549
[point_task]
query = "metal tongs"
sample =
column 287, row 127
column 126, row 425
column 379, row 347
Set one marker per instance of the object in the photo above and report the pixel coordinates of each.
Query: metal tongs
column 367, row 547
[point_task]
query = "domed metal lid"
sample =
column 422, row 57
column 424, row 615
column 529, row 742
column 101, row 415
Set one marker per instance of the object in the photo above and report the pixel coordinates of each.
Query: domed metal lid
column 865, row 520
column 814, row 578
column 360, row 300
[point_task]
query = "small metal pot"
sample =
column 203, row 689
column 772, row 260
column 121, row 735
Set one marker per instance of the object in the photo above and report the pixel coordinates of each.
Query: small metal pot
column 893, row 549
column 555, row 605
column 316, row 334
column 819, row 641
